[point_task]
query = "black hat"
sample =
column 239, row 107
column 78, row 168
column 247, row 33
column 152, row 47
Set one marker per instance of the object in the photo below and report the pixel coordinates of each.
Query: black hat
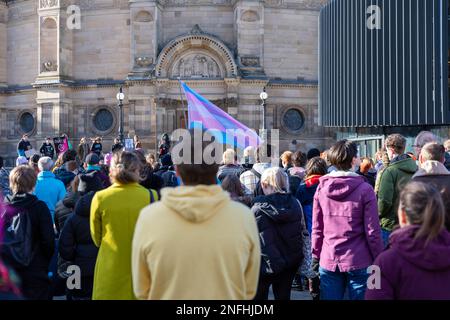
column 92, row 159
column 313, row 153
column 89, row 182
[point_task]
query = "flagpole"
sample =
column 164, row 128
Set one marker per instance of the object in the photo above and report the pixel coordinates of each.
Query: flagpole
column 184, row 108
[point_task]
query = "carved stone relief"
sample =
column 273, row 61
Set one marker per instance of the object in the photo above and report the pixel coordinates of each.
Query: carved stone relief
column 43, row 4
column 196, row 66
column 49, row 66
column 250, row 61
column 250, row 16
column 143, row 62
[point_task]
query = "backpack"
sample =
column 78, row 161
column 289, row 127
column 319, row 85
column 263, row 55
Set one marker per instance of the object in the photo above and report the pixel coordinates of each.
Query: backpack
column 258, row 189
column 17, row 243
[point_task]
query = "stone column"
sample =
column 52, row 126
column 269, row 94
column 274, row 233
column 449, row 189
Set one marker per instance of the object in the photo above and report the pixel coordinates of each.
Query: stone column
column 145, row 28
column 3, row 46
column 249, row 30
column 55, row 43
column 53, row 109
column 55, row 67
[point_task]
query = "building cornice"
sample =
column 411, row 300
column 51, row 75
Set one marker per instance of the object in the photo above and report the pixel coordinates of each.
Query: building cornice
column 96, row 83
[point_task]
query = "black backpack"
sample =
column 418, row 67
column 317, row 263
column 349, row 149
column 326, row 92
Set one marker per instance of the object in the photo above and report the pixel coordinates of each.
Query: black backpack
column 17, row 244
column 258, row 189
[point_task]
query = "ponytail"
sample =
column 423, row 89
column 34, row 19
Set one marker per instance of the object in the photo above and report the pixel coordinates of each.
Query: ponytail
column 125, row 168
column 423, row 206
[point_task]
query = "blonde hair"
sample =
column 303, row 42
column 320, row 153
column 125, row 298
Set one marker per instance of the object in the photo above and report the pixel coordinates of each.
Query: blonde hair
column 22, row 179
column 276, row 178
column 286, row 157
column 229, row 156
column 125, row 168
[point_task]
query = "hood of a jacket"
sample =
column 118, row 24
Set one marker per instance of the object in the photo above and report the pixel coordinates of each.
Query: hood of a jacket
column 434, row 257
column 260, row 167
column 195, row 203
column 22, row 200
column 407, row 165
column 70, row 199
column 83, row 205
column 46, row 175
column 280, row 207
column 339, row 185
column 297, row 171
column 432, row 167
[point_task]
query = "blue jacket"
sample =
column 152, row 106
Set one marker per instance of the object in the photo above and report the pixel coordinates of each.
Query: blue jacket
column 50, row 190
column 305, row 194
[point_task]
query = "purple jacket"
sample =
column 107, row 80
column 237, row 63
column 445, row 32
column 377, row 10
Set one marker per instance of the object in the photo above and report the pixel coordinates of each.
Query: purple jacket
column 410, row 272
column 346, row 230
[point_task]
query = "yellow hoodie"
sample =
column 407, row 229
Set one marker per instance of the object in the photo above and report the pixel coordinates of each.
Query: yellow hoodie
column 196, row 244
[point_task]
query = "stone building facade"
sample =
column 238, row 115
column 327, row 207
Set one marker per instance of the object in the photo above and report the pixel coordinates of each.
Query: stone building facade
column 58, row 78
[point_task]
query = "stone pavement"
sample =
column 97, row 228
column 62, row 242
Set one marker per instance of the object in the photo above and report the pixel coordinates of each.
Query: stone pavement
column 295, row 295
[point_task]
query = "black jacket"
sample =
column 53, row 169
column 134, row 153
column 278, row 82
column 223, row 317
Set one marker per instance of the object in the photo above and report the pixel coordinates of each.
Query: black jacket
column 441, row 183
column 150, row 180
column 97, row 148
column 64, row 209
column 23, row 145
column 447, row 161
column 279, row 219
column 75, row 242
column 43, row 236
column 167, row 173
column 47, row 150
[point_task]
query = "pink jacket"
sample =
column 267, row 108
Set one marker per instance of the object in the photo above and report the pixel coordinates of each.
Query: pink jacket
column 346, row 232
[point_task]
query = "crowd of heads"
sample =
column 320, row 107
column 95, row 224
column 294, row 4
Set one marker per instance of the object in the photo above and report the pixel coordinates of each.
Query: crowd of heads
column 254, row 175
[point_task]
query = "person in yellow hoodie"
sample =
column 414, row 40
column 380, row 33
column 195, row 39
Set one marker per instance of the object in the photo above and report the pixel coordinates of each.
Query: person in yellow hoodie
column 196, row 243
column 114, row 213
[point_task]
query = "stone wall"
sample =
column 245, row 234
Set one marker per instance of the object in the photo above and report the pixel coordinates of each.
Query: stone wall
column 270, row 44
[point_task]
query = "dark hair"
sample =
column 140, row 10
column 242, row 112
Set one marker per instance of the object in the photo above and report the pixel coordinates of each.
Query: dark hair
column 1, row 162
column 143, row 162
column 233, row 185
column 125, row 168
column 193, row 173
column 299, row 159
column 342, row 153
column 397, row 142
column 423, row 206
column 35, row 158
column 312, row 153
column 316, row 166
column 69, row 155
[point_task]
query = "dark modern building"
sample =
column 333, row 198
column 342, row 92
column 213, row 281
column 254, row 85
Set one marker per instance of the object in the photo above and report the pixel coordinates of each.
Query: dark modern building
column 384, row 68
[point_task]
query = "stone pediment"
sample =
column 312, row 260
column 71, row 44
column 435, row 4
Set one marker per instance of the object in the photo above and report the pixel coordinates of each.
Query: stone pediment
column 196, row 55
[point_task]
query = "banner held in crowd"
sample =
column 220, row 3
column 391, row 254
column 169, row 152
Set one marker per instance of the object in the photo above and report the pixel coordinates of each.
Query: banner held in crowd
column 204, row 114
column 61, row 144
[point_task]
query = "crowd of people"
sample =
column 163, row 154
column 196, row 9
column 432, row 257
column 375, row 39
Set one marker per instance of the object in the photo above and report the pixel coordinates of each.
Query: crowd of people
column 139, row 227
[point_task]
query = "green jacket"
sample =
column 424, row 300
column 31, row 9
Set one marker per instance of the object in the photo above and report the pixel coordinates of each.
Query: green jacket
column 393, row 179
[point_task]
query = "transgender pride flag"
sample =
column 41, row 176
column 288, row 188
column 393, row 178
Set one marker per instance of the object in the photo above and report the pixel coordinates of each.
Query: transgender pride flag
column 227, row 130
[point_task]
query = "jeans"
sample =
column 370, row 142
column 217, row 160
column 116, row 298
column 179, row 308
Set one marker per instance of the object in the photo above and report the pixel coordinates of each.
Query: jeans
column 334, row 284
column 385, row 235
